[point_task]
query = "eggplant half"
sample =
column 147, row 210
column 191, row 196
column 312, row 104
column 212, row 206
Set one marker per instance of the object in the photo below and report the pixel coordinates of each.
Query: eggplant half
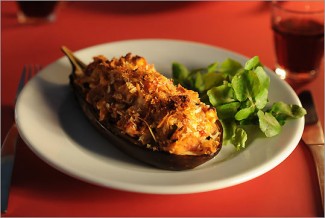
column 130, row 145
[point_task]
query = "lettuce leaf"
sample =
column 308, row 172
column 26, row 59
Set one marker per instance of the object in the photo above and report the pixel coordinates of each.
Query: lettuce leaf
column 240, row 96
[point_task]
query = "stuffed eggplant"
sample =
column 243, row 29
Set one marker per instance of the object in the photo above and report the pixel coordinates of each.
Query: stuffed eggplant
column 144, row 114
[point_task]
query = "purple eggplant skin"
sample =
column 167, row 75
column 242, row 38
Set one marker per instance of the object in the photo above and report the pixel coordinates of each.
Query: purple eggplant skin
column 130, row 146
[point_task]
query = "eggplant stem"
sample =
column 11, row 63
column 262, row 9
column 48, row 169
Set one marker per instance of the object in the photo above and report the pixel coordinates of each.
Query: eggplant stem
column 78, row 65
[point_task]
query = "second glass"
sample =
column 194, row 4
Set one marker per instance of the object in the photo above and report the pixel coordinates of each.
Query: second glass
column 33, row 12
column 299, row 39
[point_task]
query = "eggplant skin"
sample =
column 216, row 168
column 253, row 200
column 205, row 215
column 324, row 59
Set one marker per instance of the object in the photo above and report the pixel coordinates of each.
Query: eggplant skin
column 158, row 159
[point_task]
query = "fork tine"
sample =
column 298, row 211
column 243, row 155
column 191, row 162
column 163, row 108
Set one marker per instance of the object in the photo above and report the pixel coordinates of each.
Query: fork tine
column 39, row 67
column 28, row 72
column 21, row 81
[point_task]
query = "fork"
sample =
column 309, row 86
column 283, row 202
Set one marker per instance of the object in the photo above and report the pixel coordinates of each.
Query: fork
column 8, row 148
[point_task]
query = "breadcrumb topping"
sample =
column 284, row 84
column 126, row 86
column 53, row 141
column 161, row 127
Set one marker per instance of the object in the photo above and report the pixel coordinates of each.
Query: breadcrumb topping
column 143, row 104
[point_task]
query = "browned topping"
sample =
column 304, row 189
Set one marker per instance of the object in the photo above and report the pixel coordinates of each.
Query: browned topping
column 142, row 103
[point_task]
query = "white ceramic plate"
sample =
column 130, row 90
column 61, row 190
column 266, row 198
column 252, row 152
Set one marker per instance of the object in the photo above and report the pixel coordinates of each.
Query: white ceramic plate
column 53, row 126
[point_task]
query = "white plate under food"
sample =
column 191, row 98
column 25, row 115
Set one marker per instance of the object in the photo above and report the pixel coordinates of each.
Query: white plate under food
column 53, row 126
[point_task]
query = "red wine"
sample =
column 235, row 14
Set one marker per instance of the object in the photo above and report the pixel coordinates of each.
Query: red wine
column 299, row 44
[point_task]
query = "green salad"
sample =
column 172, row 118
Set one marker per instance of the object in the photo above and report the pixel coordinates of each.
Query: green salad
column 240, row 96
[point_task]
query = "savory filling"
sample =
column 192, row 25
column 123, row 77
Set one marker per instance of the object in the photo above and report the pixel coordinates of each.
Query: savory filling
column 145, row 105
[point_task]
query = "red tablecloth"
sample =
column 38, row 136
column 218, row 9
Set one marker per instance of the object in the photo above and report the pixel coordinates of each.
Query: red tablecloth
column 37, row 189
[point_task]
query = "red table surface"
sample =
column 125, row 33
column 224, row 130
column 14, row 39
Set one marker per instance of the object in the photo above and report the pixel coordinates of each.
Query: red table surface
column 290, row 189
